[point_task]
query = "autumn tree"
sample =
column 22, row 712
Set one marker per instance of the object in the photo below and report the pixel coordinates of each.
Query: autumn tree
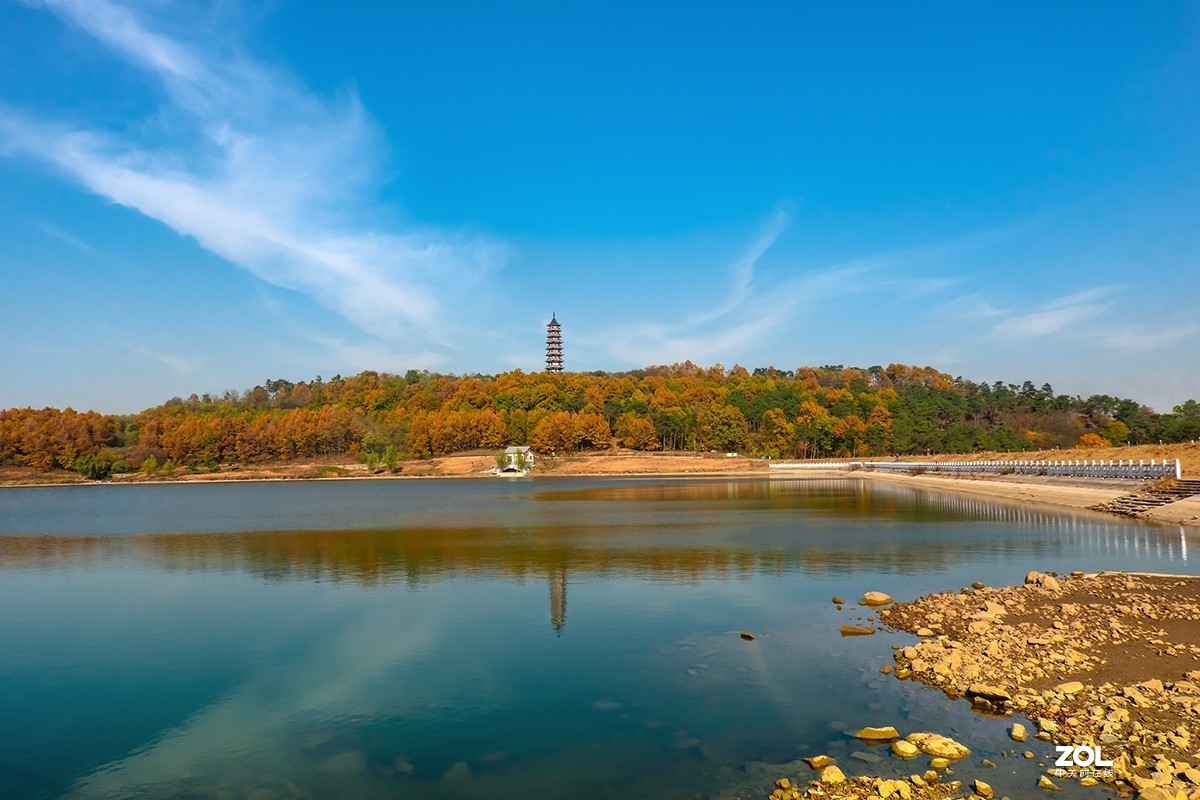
column 637, row 433
column 555, row 433
column 721, row 428
column 776, row 434
column 591, row 432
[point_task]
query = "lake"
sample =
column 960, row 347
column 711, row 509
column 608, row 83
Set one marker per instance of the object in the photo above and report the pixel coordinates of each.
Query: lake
column 500, row 639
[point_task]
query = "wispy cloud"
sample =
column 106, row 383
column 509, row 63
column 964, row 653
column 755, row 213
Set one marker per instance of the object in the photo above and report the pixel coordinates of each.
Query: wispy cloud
column 180, row 365
column 258, row 170
column 55, row 232
column 1055, row 315
column 742, row 271
column 1151, row 335
column 755, row 309
column 742, row 320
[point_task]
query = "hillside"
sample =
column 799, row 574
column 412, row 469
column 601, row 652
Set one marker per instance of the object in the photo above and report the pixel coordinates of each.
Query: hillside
column 380, row 420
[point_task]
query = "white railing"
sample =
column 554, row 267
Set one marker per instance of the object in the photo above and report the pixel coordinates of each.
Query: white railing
column 1076, row 468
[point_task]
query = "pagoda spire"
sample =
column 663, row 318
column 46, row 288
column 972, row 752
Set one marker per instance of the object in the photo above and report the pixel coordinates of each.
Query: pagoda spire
column 554, row 353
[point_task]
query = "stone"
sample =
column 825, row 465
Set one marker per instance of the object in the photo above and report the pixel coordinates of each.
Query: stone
column 1018, row 732
column 982, row 789
column 993, row 694
column 749, row 637
column 903, row 749
column 979, row 626
column 1070, row 687
column 838, row 601
column 977, row 585
column 870, row 734
column 939, row 763
column 855, row 630
column 1047, row 784
column 925, row 633
column 875, row 599
column 831, row 774
column 893, row 788
column 783, row 783
column 819, row 762
column 1155, row 793
column 938, row 746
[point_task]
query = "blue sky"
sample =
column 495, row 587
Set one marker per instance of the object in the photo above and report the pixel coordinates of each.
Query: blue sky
column 196, row 197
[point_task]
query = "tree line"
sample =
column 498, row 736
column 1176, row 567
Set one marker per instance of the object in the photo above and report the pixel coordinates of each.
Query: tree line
column 809, row 412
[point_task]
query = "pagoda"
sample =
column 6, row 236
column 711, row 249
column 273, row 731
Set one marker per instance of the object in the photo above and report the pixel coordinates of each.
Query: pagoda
column 554, row 358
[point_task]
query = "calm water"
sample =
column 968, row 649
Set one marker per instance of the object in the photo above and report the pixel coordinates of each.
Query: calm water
column 453, row 639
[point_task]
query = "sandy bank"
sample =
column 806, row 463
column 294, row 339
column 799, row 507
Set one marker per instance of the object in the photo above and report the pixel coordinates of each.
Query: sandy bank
column 1075, row 493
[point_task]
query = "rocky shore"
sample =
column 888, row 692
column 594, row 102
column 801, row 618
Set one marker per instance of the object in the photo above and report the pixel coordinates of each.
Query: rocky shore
column 1108, row 661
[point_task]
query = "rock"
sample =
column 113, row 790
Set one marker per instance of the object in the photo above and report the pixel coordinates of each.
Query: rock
column 855, row 630
column 1044, row 581
column 939, row 763
column 1155, row 793
column 982, row 789
column 783, row 783
column 903, row 749
column 838, row 601
column 933, row 744
column 819, row 762
column 831, row 774
column 893, row 788
column 459, row 773
column 1070, row 687
column 993, row 694
column 870, row 734
column 979, row 626
column 1018, row 732
column 749, row 637
column 1047, row 784
column 925, row 633
column 875, row 599
column 977, row 585
column 869, row 758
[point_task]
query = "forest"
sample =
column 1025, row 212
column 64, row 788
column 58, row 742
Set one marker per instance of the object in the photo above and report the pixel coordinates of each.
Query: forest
column 384, row 419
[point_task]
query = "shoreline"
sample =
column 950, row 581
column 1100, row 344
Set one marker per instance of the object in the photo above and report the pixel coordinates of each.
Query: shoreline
column 1108, row 662
column 1077, row 494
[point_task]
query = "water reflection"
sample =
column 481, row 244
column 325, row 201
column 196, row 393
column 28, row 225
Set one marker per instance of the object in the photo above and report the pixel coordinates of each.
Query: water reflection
column 417, row 646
